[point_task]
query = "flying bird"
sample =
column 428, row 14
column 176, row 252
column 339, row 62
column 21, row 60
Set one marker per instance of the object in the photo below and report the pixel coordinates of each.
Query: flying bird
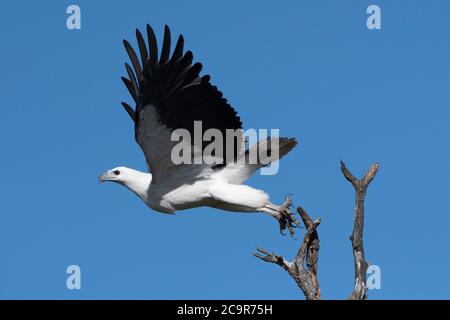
column 169, row 94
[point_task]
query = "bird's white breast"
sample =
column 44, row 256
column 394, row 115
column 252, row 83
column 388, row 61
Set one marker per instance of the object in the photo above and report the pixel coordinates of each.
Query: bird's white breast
column 168, row 199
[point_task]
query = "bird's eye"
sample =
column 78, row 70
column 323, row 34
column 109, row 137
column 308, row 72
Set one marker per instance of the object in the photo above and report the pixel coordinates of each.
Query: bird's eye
column 116, row 172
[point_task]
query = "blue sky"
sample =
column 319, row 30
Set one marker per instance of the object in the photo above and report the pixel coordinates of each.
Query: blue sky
column 310, row 68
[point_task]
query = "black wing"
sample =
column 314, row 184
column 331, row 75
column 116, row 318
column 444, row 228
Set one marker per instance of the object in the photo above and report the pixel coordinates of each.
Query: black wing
column 173, row 88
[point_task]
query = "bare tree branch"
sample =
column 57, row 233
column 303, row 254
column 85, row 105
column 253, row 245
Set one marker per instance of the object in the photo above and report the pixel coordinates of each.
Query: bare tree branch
column 303, row 269
column 360, row 264
column 308, row 254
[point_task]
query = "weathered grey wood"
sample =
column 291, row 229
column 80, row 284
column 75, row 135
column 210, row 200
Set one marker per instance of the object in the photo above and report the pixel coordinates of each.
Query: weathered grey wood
column 307, row 255
column 357, row 238
column 303, row 269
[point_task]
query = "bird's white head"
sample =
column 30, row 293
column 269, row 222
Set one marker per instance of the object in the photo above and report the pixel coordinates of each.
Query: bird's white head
column 136, row 181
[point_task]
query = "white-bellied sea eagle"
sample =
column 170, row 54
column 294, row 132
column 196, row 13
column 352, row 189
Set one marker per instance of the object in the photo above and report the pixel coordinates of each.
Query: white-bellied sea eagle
column 170, row 95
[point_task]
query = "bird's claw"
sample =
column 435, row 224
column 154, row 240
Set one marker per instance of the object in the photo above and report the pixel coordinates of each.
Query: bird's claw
column 286, row 218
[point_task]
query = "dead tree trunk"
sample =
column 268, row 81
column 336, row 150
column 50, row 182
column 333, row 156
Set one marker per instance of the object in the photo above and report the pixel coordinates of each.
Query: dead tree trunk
column 360, row 288
column 306, row 278
column 303, row 269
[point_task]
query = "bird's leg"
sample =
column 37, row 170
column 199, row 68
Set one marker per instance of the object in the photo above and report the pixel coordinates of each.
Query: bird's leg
column 284, row 216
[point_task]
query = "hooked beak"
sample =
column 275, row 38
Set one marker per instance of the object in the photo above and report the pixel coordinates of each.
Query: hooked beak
column 104, row 177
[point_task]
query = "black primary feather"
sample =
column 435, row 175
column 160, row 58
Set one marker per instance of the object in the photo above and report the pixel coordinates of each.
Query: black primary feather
column 142, row 47
column 129, row 110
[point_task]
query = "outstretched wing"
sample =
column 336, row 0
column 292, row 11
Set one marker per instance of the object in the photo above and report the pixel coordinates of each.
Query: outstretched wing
column 170, row 94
